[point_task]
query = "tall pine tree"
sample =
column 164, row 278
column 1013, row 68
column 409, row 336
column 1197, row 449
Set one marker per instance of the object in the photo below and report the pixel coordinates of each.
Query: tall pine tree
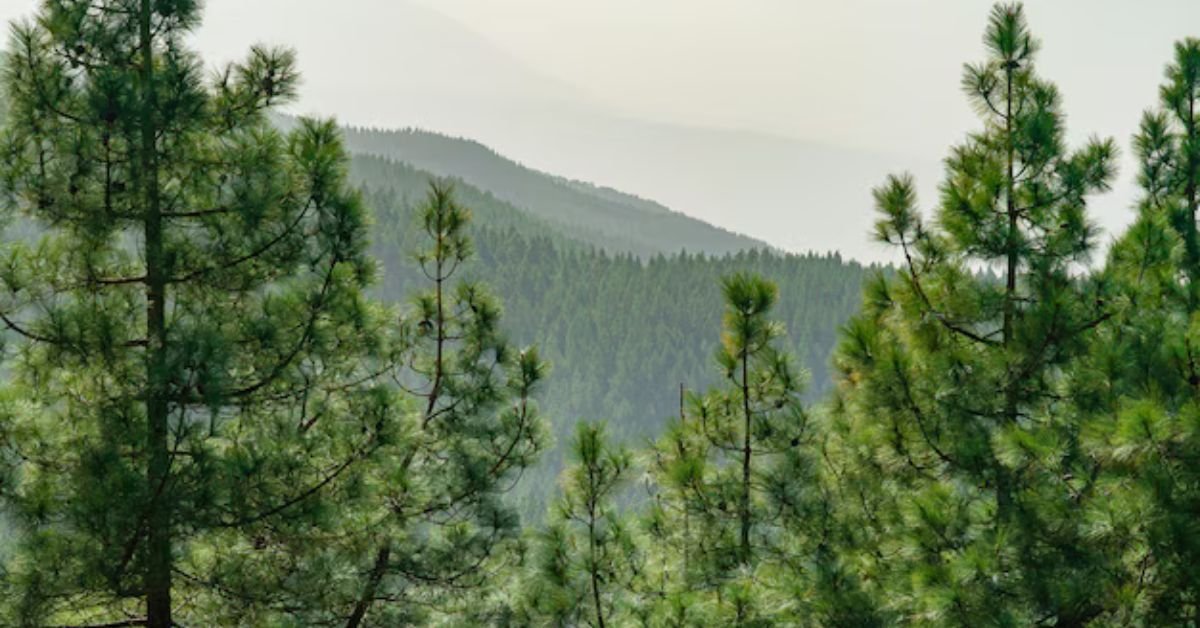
column 586, row 559
column 957, row 459
column 189, row 335
column 443, row 529
column 729, row 477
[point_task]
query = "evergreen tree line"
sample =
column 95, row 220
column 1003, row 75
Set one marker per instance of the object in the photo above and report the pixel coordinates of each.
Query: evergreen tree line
column 209, row 419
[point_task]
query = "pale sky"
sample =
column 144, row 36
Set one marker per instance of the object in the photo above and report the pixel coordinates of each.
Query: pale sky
column 768, row 117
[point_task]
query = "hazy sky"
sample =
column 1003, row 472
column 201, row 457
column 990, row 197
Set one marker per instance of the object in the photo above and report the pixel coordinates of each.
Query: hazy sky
column 557, row 84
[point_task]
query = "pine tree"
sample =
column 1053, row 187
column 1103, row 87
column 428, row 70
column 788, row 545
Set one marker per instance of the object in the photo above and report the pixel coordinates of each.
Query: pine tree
column 586, row 558
column 445, row 528
column 1138, row 388
column 960, row 464
column 729, row 476
column 671, row 574
column 1168, row 146
column 188, row 330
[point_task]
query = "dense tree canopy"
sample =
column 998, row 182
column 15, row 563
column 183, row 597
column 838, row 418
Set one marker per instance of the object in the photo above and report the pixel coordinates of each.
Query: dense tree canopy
column 1137, row 390
column 205, row 419
column 232, row 396
column 186, row 326
column 950, row 406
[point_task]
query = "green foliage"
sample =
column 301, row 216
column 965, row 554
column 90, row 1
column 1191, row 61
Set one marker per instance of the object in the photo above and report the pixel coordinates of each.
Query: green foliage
column 736, row 495
column 205, row 421
column 958, row 468
column 189, row 346
column 1137, row 389
column 441, row 529
column 586, row 557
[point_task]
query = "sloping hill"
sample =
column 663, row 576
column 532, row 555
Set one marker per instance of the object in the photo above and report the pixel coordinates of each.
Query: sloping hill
column 606, row 218
column 398, row 184
column 621, row 333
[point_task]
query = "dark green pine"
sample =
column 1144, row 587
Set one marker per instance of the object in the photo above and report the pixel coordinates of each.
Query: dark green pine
column 957, row 469
column 188, row 391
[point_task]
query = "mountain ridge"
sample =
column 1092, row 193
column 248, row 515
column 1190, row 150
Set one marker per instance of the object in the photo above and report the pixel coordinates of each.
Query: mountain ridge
column 593, row 212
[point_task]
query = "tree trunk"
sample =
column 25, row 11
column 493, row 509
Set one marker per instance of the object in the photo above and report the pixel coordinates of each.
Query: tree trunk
column 158, row 536
column 1010, row 286
column 1192, row 238
column 368, row 596
column 1010, row 291
column 687, row 519
column 744, row 512
column 157, row 570
column 594, row 568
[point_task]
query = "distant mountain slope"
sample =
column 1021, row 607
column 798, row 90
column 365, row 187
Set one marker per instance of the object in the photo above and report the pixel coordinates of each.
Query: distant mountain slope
column 406, row 186
column 621, row 334
column 407, row 65
column 522, row 257
column 607, row 218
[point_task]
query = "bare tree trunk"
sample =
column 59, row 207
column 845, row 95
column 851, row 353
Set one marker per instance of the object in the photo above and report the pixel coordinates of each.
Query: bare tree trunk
column 158, row 537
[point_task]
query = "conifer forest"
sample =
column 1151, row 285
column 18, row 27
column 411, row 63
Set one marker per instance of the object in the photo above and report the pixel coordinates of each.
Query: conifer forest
column 266, row 369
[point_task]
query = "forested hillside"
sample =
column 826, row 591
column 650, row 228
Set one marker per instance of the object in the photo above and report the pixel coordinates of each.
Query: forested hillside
column 614, row 328
column 607, row 218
